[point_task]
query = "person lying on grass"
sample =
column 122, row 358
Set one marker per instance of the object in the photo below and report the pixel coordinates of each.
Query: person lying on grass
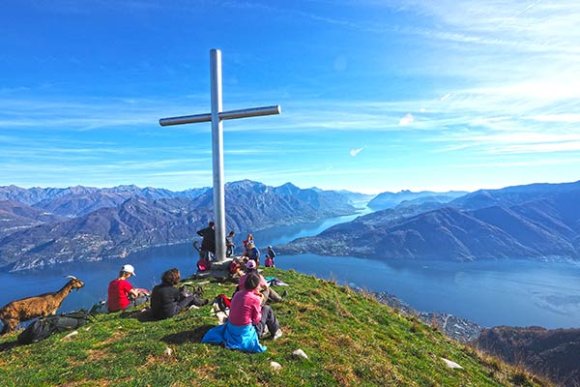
column 247, row 322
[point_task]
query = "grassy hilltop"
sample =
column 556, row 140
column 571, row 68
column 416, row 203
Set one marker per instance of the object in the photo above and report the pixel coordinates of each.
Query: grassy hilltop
column 350, row 339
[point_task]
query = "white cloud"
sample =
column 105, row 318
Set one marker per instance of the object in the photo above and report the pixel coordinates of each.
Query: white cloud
column 355, row 151
column 559, row 118
column 407, row 120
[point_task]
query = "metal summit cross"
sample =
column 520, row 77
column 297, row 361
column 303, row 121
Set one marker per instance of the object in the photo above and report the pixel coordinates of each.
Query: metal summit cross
column 216, row 117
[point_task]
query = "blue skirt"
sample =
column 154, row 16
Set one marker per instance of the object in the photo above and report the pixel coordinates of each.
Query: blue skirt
column 242, row 338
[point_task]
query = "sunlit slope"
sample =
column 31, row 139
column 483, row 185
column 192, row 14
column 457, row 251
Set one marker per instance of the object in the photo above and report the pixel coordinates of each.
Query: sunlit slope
column 349, row 337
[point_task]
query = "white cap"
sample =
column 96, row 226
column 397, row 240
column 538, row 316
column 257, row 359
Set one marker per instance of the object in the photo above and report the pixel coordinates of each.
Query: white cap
column 128, row 269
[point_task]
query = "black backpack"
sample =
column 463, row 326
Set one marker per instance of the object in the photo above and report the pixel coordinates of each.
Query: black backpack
column 46, row 326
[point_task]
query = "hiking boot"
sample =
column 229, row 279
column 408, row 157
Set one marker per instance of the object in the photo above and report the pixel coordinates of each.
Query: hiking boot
column 277, row 335
column 265, row 332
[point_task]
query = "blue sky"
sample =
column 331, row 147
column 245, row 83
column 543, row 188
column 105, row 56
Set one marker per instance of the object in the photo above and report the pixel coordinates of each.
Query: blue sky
column 376, row 95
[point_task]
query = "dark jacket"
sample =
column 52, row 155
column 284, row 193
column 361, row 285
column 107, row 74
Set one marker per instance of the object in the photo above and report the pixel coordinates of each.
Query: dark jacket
column 208, row 242
column 164, row 299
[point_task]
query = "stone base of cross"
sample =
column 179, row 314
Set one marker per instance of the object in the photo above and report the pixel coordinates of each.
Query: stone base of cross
column 216, row 117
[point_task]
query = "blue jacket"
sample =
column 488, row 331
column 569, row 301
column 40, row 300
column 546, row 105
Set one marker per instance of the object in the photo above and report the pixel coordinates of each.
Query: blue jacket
column 242, row 338
column 254, row 254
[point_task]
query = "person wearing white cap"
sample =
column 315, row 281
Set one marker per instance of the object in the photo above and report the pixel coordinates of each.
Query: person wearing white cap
column 121, row 293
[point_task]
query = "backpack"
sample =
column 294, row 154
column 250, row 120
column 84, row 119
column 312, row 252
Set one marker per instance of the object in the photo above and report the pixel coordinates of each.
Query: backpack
column 203, row 264
column 46, row 326
column 223, row 302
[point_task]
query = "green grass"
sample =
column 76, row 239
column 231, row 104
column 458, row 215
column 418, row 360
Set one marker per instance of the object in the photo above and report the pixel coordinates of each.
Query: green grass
column 350, row 339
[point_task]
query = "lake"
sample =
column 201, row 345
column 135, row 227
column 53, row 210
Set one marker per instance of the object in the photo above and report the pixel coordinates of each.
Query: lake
column 507, row 292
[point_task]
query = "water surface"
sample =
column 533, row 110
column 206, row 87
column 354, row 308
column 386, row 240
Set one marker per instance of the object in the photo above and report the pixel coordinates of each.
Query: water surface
column 507, row 292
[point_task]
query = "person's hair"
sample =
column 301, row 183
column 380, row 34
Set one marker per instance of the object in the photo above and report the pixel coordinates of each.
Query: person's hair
column 232, row 233
column 123, row 273
column 212, row 223
column 171, row 276
column 252, row 281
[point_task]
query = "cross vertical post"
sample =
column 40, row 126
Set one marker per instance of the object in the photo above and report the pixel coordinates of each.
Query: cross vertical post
column 216, row 117
column 217, row 134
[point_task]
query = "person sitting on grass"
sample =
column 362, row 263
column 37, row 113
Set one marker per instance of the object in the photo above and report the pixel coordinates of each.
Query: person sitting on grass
column 166, row 299
column 247, row 321
column 269, row 293
column 235, row 269
column 121, row 293
column 253, row 253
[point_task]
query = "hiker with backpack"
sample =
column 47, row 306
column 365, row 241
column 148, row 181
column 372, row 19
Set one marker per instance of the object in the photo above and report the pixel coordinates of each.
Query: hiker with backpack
column 121, row 293
column 248, row 321
column 167, row 300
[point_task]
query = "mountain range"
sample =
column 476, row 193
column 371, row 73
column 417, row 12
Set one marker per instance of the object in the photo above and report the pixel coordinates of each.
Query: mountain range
column 79, row 200
column 538, row 221
column 52, row 226
column 405, row 197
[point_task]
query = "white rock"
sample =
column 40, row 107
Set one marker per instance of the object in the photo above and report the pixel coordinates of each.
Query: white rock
column 451, row 364
column 275, row 366
column 300, row 353
column 71, row 335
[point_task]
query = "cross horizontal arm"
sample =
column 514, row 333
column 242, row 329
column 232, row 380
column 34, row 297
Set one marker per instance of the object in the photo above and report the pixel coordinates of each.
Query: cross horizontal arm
column 229, row 115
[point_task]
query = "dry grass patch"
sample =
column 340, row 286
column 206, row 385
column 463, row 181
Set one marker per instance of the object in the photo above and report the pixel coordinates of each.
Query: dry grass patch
column 116, row 336
column 97, row 383
column 206, row 373
column 343, row 375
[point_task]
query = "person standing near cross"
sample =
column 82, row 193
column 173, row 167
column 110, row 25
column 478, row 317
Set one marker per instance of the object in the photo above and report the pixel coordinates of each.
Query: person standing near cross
column 216, row 117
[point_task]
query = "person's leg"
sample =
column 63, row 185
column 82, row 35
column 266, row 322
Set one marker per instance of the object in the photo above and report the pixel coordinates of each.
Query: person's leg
column 140, row 300
column 184, row 303
column 274, row 296
column 269, row 320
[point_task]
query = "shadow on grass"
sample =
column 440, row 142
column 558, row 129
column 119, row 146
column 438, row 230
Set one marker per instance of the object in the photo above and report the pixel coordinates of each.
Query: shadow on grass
column 193, row 336
column 144, row 315
column 9, row 345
